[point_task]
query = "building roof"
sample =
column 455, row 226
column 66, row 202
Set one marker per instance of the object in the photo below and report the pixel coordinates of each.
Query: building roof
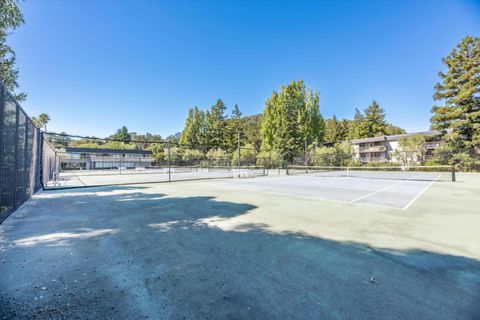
column 104, row 150
column 394, row 137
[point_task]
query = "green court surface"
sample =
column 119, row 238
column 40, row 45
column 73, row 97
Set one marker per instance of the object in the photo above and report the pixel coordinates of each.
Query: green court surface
column 259, row 248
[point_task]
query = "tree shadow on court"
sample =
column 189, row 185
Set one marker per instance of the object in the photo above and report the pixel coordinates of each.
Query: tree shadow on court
column 137, row 254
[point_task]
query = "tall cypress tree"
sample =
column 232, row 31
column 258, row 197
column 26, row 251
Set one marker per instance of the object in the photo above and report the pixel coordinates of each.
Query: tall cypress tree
column 269, row 123
column 186, row 135
column 458, row 91
column 193, row 132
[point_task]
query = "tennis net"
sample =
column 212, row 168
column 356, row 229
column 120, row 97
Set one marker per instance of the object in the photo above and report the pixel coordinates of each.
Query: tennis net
column 415, row 173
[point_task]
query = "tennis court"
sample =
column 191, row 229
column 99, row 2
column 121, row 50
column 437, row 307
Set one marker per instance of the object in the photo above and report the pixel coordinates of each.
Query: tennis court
column 90, row 178
column 256, row 248
column 389, row 187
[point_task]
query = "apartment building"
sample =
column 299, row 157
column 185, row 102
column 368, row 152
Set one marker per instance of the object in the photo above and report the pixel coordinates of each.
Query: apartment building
column 382, row 149
column 93, row 158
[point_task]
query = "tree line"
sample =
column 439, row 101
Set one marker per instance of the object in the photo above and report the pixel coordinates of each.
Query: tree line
column 290, row 124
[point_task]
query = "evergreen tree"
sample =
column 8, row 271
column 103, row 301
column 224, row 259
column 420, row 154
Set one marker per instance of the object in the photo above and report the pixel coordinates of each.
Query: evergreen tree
column 10, row 18
column 193, row 132
column 355, row 127
column 291, row 118
column 332, row 128
column 122, row 134
column 392, row 130
column 310, row 121
column 343, row 129
column 459, row 92
column 234, row 127
column 215, row 125
column 236, row 114
column 269, row 122
column 336, row 131
column 251, row 128
column 374, row 124
column 187, row 129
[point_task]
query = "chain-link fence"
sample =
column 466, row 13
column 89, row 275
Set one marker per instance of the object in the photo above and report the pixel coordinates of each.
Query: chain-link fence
column 19, row 155
column 75, row 161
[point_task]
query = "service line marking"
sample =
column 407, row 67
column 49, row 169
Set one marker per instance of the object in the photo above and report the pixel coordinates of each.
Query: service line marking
column 382, row 190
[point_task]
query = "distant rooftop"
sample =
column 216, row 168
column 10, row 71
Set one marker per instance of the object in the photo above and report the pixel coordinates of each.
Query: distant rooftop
column 104, row 150
column 395, row 137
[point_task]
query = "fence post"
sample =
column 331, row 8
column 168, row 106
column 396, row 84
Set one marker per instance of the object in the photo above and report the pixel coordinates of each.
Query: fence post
column 306, row 156
column 26, row 174
column 2, row 144
column 15, row 180
column 168, row 161
column 239, row 155
column 453, row 174
column 40, row 157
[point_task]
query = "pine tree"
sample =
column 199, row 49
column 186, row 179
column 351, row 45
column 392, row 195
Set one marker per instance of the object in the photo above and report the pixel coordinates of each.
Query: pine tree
column 374, row 123
column 10, row 18
column 343, row 129
column 234, row 128
column 236, row 114
column 355, row 126
column 216, row 125
column 332, row 130
column 251, row 129
column 459, row 91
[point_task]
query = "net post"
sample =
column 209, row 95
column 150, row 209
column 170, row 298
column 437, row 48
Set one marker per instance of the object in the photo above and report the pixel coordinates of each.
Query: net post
column 453, row 174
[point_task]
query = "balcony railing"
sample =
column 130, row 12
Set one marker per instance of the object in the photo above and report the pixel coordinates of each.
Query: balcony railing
column 373, row 149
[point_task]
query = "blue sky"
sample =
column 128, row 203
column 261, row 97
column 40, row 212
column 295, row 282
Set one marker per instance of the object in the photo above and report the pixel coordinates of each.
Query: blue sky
column 97, row 65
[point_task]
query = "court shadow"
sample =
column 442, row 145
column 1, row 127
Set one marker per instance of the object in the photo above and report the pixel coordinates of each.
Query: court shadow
column 136, row 254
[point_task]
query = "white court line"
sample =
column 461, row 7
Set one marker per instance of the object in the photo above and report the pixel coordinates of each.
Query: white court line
column 382, row 190
column 421, row 192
